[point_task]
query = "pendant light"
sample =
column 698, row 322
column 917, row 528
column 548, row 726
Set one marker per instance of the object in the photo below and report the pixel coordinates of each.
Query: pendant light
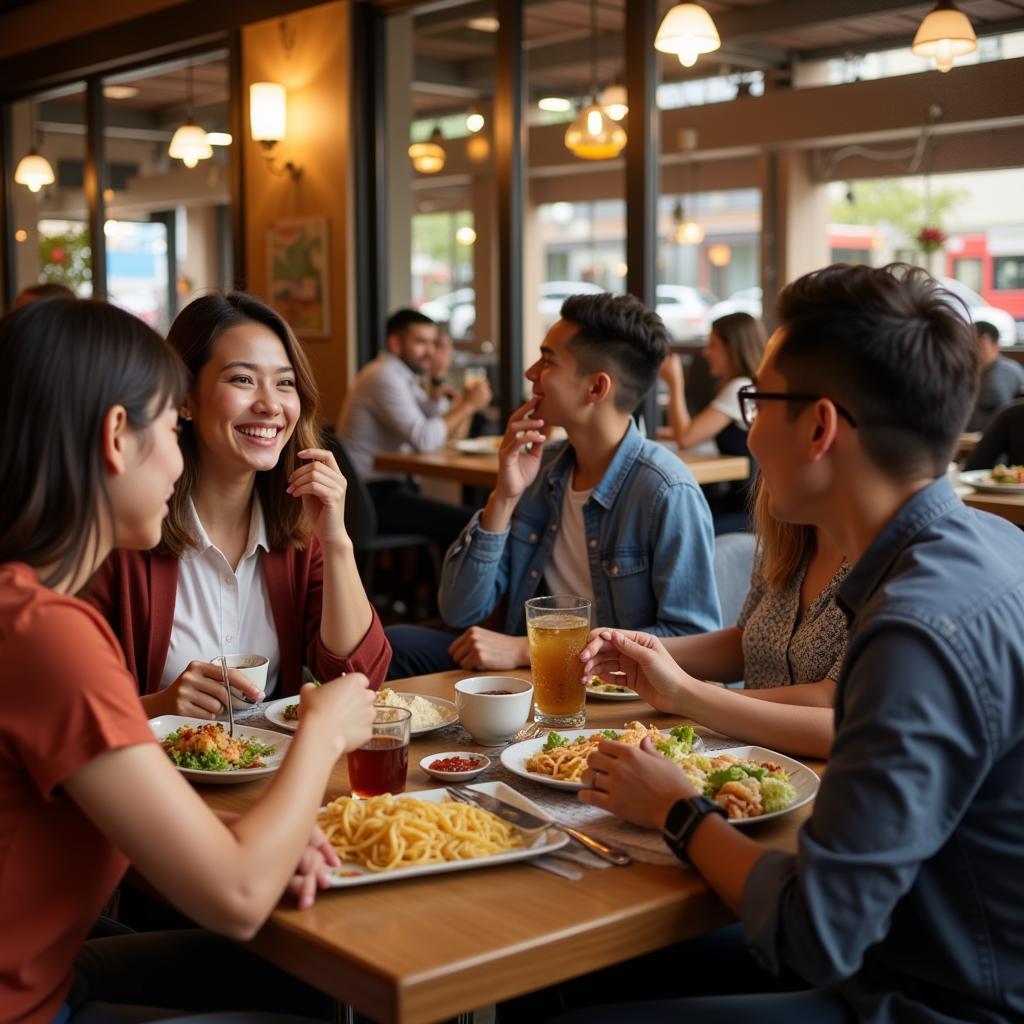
column 594, row 135
column 33, row 171
column 615, row 101
column 685, row 232
column 429, row 157
column 945, row 34
column 687, row 31
column 189, row 144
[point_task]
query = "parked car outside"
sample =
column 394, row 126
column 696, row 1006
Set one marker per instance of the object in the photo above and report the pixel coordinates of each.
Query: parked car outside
column 454, row 311
column 685, row 310
column 746, row 300
column 980, row 310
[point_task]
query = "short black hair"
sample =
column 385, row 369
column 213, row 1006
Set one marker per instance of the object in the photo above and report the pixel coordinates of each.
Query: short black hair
column 402, row 319
column 892, row 346
column 984, row 327
column 620, row 335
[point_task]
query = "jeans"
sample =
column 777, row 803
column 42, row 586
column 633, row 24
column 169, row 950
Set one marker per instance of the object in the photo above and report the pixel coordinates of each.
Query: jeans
column 418, row 651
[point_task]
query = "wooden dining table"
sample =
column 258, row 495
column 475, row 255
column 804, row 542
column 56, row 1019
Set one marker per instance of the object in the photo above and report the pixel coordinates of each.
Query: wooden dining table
column 481, row 470
column 411, row 951
column 1009, row 506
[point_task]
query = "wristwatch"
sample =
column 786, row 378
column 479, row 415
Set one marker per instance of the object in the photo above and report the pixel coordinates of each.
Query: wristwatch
column 683, row 819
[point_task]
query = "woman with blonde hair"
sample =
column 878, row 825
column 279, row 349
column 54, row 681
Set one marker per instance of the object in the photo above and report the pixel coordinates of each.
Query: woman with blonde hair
column 254, row 557
column 787, row 646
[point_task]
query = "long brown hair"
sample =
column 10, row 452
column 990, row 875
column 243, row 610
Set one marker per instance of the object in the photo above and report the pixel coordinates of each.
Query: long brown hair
column 64, row 364
column 744, row 339
column 785, row 547
column 193, row 334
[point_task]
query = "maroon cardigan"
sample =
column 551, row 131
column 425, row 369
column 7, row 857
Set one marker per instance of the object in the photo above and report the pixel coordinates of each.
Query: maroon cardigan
column 135, row 591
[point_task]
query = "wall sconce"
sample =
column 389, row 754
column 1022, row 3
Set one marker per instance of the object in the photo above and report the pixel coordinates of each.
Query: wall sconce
column 268, row 102
column 428, row 157
column 945, row 33
column 33, row 171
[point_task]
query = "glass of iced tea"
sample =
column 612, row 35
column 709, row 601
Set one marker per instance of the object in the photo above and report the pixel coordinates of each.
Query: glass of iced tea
column 380, row 765
column 558, row 628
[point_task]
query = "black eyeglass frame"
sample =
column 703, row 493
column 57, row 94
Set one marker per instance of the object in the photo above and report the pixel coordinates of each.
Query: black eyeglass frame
column 748, row 393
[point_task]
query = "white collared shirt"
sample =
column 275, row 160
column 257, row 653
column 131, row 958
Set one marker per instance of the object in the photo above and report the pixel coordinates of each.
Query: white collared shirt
column 220, row 610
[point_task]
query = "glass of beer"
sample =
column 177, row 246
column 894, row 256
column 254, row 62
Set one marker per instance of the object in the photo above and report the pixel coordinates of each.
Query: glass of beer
column 558, row 628
column 380, row 765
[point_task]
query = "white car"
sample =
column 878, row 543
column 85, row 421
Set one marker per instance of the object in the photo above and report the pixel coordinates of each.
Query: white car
column 455, row 311
column 554, row 293
column 980, row 310
column 685, row 310
column 746, row 300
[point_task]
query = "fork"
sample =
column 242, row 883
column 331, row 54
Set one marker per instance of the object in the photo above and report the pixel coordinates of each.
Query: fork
column 532, row 731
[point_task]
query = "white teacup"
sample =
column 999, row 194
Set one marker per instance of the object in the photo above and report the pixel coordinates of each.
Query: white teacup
column 254, row 667
column 493, row 708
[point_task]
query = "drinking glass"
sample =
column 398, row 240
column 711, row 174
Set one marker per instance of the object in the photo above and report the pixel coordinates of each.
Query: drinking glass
column 558, row 628
column 473, row 374
column 380, row 765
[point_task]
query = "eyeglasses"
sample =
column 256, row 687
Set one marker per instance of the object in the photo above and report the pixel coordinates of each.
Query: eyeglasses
column 749, row 397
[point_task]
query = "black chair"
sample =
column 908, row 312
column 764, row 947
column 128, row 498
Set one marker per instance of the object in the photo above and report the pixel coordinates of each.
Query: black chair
column 361, row 520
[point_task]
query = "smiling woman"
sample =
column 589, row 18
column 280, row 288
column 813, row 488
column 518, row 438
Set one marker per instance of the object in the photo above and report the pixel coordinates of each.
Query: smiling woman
column 254, row 557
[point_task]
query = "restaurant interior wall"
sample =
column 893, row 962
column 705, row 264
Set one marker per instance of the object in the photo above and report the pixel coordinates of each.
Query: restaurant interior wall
column 311, row 58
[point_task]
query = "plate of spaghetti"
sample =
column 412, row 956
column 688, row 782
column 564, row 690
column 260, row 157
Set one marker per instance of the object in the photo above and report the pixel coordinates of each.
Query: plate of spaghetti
column 559, row 759
column 204, row 752
column 427, row 833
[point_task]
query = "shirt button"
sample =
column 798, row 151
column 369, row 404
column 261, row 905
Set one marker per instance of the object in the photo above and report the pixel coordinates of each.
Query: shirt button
column 228, row 637
column 593, row 543
column 229, row 579
column 534, row 574
column 533, row 538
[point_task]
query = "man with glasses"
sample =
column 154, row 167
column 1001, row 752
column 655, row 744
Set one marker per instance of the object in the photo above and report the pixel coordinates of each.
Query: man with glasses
column 904, row 900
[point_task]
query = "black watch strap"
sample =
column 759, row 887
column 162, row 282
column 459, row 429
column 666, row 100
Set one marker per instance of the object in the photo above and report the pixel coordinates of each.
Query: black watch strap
column 683, row 819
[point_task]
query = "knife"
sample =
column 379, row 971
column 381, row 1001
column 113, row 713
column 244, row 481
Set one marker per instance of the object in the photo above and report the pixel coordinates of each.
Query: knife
column 528, row 821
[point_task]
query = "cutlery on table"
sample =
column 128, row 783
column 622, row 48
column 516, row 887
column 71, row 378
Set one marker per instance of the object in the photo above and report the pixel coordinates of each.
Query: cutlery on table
column 528, row 821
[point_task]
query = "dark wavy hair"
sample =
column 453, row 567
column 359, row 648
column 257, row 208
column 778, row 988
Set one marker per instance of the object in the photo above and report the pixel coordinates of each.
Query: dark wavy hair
column 64, row 364
column 893, row 347
column 192, row 335
column 620, row 335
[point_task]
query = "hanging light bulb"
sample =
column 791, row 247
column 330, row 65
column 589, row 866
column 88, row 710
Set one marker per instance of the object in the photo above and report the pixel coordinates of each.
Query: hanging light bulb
column 686, row 232
column 687, row 31
column 613, row 99
column 945, row 34
column 33, row 171
column 189, row 143
column 474, row 120
column 593, row 135
column 428, row 157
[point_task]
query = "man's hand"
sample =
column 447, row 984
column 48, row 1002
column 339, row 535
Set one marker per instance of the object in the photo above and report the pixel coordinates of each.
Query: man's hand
column 483, row 648
column 636, row 783
column 517, row 464
column 477, row 395
column 648, row 667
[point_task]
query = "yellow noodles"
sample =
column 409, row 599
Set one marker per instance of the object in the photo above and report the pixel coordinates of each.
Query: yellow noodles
column 386, row 832
column 567, row 764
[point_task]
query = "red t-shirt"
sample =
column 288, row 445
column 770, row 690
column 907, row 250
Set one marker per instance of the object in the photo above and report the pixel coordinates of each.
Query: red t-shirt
column 66, row 697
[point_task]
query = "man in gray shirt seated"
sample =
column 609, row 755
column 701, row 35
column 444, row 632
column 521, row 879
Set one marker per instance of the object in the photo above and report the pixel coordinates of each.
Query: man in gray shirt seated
column 1002, row 379
column 903, row 903
column 388, row 410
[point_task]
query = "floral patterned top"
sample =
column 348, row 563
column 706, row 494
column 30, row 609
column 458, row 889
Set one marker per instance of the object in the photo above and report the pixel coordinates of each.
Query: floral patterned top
column 778, row 650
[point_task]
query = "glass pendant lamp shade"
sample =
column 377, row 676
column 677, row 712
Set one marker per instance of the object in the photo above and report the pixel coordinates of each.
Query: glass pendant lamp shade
column 428, row 157
column 594, row 135
column 945, row 34
column 190, row 144
column 34, row 171
column 687, row 31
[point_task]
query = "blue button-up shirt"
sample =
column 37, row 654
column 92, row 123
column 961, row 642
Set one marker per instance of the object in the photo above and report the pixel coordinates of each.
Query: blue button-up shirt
column 650, row 547
column 907, row 892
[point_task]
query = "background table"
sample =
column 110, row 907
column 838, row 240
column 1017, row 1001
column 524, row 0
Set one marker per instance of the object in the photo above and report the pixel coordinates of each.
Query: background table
column 1009, row 506
column 419, row 950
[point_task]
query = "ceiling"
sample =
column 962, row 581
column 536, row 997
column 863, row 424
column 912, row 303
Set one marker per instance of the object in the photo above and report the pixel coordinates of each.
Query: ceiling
column 454, row 62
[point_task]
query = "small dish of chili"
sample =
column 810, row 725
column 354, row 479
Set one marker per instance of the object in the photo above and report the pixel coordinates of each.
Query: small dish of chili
column 455, row 765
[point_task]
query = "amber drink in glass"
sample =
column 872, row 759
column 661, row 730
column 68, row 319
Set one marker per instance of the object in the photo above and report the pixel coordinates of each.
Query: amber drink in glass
column 380, row 765
column 558, row 628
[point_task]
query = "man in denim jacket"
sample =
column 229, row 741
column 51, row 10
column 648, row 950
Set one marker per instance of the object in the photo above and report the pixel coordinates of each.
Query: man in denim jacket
column 903, row 902
column 607, row 515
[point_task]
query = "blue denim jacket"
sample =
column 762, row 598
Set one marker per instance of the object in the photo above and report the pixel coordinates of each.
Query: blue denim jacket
column 907, row 893
column 649, row 541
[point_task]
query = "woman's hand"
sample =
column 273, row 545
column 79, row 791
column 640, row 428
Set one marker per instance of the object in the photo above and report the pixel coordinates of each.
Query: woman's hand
column 322, row 488
column 671, row 372
column 648, row 667
column 636, row 783
column 312, row 871
column 345, row 706
column 199, row 692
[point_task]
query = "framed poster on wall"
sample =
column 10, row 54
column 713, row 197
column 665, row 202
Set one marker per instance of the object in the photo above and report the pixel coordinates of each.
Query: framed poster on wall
column 298, row 277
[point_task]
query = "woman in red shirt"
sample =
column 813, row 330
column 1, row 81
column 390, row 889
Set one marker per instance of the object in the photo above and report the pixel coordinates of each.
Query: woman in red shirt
column 89, row 406
column 254, row 555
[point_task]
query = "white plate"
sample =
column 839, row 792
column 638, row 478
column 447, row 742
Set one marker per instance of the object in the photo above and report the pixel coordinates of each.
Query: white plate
column 593, row 694
column 476, row 445
column 514, row 758
column 446, row 706
column 274, row 711
column 981, row 480
column 804, row 781
column 539, row 843
column 166, row 724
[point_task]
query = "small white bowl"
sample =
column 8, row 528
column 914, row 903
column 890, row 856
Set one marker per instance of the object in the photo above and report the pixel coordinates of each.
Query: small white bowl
column 493, row 709
column 425, row 763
